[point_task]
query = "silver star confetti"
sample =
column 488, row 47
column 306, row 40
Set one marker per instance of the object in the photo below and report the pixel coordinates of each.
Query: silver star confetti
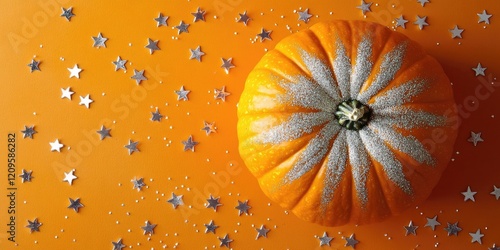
column 28, row 132
column 196, row 53
column 475, row 138
column 34, row 65
column 484, row 17
column 432, row 223
column 469, row 195
column 182, row 27
column 494, row 247
column 199, row 15
column 227, row 64
column 67, row 13
column 152, row 46
column 479, row 70
column 210, row 227
column 226, row 241
column 456, row 32
column 262, row 232
column 476, row 237
column 325, row 240
column 423, row 2
column 213, row 203
column 75, row 71
column 66, row 93
column 243, row 207
column 138, row 76
column 148, row 228
column 182, row 94
column 70, row 177
column 265, row 35
column 496, row 192
column 75, row 204
column 161, row 20
column 401, row 22
column 411, row 229
column 221, row 93
column 209, row 127
column 56, row 146
column 453, row 229
column 364, row 7
column 304, row 15
column 104, row 132
column 138, row 183
column 176, row 200
column 118, row 245
column 244, row 18
column 421, row 22
column 132, row 147
column 120, row 64
column 86, row 101
column 26, row 176
column 351, row 241
column 34, row 225
column 156, row 116
column 99, row 41
column 189, row 144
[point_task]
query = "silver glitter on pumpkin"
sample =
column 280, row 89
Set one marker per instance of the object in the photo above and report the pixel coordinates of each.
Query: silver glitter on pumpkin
column 406, row 118
column 337, row 159
column 400, row 95
column 342, row 69
column 304, row 93
column 360, row 164
column 321, row 74
column 363, row 66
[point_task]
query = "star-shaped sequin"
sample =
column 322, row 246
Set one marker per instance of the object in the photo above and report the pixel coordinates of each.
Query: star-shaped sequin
column 34, row 225
column 104, row 132
column 351, row 241
column 484, row 17
column 213, row 202
column 494, row 247
column 469, row 195
column 189, row 144
column 411, row 229
column 120, row 64
column 244, row 18
column 453, row 229
column 196, row 53
column 75, row 204
column 304, row 15
column 456, row 32
column 243, row 207
column 176, row 200
column 182, row 94
column 226, row 241
column 325, row 240
column 99, row 41
column 221, row 93
column 156, row 116
column 86, row 101
column 161, row 20
column 28, row 132
column 479, row 70
column 182, row 27
column 265, row 35
column 227, row 64
column 475, row 138
column 496, row 192
column 152, row 46
column 34, row 65
column 118, row 245
column 26, row 176
column 209, row 127
column 210, row 227
column 138, row 183
column 364, row 7
column 423, row 2
column 67, row 13
column 56, row 146
column 432, row 223
column 75, row 71
column 138, row 76
column 476, row 237
column 421, row 22
column 148, row 228
column 262, row 232
column 199, row 15
column 70, row 177
column 132, row 147
column 401, row 22
column 66, row 93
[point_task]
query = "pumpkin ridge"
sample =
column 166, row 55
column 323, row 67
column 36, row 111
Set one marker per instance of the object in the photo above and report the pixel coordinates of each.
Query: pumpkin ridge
column 378, row 180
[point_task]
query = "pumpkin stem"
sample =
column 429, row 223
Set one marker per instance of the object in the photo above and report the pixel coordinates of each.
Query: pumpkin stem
column 352, row 114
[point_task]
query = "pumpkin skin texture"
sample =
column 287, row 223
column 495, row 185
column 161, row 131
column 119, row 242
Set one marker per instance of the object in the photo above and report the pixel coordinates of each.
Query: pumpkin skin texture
column 291, row 139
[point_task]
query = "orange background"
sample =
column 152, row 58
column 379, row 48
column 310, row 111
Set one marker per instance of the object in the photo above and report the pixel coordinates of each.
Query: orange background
column 114, row 210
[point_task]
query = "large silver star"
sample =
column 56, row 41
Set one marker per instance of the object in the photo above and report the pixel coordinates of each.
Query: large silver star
column 138, row 183
column 120, row 64
column 156, row 116
column 149, row 228
column 243, row 207
column 479, row 70
column 421, row 22
column 196, row 53
column 189, row 144
column 456, row 32
column 213, row 203
column 26, row 176
column 161, row 20
column 244, row 18
column 221, row 93
column 182, row 27
column 227, row 64
column 210, row 227
column 475, row 138
column 351, row 241
column 401, row 22
column 75, row 204
column 56, row 146
column 304, row 15
column 86, row 101
column 182, row 94
column 265, row 35
column 364, row 7
column 262, row 232
column 325, row 240
column 99, row 41
column 432, row 223
column 75, row 71
column 496, row 192
column 423, row 2
column 469, row 195
column 34, row 225
column 484, row 17
column 104, row 132
column 28, row 132
column 70, row 177
column 226, row 241
column 118, row 245
column 453, row 229
column 199, row 15
column 476, row 237
column 67, row 13
column 132, row 147
column 66, row 93
column 34, row 65
column 152, row 46
column 176, row 200
column 138, row 76
column 411, row 229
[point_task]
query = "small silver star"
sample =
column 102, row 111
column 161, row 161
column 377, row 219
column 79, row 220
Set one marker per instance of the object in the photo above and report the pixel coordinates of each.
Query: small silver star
column 469, row 195
column 325, row 240
column 423, row 2
column 118, row 245
column 221, row 93
column 75, row 71
column 86, row 101
column 262, row 232
column 120, row 64
column 199, row 15
column 456, row 32
column 452, row 229
column 104, row 132
column 67, row 13
column 196, row 53
column 75, row 204
column 479, row 70
column 476, row 237
column 34, row 225
column 210, row 227
column 182, row 94
column 161, row 20
column 365, row 7
column 421, row 22
column 99, row 41
column 226, row 241
column 484, row 17
column 351, row 241
column 243, row 207
column 411, row 229
column 209, row 127
column 227, row 64
column 494, row 247
column 401, row 22
column 34, row 65
column 26, row 176
column 132, row 147
column 496, row 192
column 138, row 76
column 432, row 223
column 475, row 138
column 189, row 144
column 213, row 203
column 304, row 15
column 182, row 27
column 66, row 93
column 56, row 146
column 152, row 46
column 138, row 183
column 265, row 34
column 156, row 116
column 28, row 132
column 176, row 200
column 244, row 18
column 69, row 177
column 149, row 228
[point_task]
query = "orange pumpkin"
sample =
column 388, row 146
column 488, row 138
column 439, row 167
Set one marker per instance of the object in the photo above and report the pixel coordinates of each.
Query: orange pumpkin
column 347, row 122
